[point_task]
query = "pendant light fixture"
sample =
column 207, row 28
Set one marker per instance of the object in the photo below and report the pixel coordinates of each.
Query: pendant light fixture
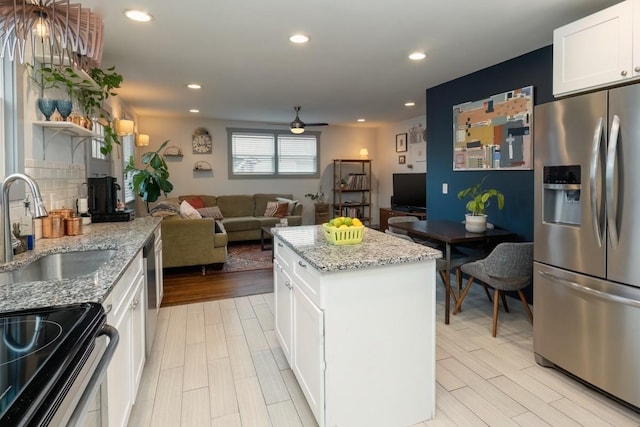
column 54, row 31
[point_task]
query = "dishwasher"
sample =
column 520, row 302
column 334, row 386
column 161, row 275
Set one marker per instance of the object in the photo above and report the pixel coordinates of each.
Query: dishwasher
column 149, row 258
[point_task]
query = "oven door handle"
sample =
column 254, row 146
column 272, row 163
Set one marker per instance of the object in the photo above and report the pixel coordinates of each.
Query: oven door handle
column 98, row 375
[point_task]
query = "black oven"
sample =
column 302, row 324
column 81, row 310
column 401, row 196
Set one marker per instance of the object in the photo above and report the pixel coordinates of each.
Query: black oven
column 52, row 361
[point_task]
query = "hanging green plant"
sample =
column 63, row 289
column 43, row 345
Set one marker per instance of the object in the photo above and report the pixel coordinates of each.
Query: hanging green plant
column 89, row 94
column 92, row 100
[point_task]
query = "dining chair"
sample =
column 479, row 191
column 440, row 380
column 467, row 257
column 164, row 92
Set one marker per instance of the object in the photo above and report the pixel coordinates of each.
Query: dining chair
column 457, row 259
column 509, row 267
column 398, row 235
column 397, row 219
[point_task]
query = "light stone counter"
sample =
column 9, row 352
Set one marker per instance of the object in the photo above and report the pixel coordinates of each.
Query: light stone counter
column 377, row 249
column 126, row 237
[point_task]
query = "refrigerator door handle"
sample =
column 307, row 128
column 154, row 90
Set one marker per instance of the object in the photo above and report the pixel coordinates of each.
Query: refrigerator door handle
column 609, row 175
column 591, row 292
column 593, row 183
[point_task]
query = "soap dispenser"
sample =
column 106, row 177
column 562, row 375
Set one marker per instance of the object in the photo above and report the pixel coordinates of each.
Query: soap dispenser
column 27, row 228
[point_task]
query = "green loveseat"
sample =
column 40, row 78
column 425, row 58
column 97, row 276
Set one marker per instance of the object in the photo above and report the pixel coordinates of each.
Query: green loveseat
column 191, row 242
column 244, row 214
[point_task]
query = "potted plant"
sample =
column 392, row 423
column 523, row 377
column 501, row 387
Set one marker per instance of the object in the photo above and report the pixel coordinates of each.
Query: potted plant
column 476, row 219
column 316, row 197
column 153, row 179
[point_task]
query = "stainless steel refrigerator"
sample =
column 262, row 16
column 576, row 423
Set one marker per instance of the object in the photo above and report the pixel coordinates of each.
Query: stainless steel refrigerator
column 587, row 239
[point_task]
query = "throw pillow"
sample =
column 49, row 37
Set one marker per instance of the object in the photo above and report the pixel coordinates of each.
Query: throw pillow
column 196, row 202
column 275, row 209
column 188, row 211
column 283, row 209
column 165, row 208
column 271, row 209
column 291, row 204
column 211, row 212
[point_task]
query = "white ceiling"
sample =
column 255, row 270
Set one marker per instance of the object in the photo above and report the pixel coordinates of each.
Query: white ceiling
column 355, row 65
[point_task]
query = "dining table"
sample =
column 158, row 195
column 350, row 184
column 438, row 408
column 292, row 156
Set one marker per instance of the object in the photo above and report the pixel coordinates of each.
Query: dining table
column 450, row 234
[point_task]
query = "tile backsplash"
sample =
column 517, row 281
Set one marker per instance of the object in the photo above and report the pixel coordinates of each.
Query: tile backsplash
column 59, row 184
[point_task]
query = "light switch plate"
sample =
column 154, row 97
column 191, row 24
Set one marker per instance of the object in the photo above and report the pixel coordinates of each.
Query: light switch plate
column 445, row 188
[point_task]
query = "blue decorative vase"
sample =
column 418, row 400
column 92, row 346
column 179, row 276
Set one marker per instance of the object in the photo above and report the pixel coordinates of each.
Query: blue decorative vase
column 47, row 107
column 64, row 107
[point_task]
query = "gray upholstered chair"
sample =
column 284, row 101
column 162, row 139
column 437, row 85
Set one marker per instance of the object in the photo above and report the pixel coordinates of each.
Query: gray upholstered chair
column 457, row 259
column 399, row 235
column 509, row 267
column 397, row 219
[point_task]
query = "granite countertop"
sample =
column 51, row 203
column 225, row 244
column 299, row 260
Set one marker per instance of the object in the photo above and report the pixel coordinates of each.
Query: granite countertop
column 126, row 237
column 377, row 249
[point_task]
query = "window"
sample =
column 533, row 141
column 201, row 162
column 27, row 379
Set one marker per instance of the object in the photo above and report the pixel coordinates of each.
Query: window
column 260, row 154
column 9, row 119
column 127, row 153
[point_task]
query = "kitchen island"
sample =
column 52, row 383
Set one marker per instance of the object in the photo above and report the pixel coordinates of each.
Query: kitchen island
column 357, row 325
column 127, row 238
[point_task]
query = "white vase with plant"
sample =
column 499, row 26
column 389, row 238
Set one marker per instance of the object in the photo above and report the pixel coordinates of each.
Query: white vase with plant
column 476, row 219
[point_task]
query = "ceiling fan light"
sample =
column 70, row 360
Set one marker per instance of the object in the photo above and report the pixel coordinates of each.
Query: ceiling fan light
column 296, row 129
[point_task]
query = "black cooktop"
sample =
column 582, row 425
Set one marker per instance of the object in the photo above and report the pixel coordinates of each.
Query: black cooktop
column 37, row 348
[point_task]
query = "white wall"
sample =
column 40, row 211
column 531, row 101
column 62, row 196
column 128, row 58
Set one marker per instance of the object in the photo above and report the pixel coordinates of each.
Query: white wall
column 335, row 143
column 388, row 163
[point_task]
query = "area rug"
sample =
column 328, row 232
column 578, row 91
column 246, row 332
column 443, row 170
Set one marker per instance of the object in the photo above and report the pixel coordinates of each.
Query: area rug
column 246, row 257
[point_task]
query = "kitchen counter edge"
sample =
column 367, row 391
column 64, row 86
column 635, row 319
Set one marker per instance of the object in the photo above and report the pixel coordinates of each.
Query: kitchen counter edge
column 377, row 249
column 126, row 237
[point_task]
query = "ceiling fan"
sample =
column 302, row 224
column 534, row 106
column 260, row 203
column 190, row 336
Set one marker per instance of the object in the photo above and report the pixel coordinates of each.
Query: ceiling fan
column 297, row 126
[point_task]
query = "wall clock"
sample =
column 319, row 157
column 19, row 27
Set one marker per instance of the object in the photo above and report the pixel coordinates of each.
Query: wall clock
column 201, row 141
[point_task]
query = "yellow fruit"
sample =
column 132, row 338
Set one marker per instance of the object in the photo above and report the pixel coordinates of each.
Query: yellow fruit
column 344, row 226
column 356, row 222
column 337, row 222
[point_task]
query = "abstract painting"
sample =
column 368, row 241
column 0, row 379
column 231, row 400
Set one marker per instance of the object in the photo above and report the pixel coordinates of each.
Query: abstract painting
column 494, row 133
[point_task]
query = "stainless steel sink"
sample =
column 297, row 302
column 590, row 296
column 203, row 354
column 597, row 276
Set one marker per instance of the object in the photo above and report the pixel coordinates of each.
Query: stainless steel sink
column 58, row 266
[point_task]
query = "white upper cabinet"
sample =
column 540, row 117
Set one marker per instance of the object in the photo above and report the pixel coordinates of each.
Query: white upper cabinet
column 599, row 50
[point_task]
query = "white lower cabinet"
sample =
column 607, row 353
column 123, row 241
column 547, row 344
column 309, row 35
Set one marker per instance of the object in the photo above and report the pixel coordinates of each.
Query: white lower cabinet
column 308, row 350
column 360, row 342
column 283, row 290
column 126, row 310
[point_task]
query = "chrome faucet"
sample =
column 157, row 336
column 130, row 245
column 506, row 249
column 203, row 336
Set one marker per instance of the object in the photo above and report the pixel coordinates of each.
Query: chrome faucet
column 38, row 209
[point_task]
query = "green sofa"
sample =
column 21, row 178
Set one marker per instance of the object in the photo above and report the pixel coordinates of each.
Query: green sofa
column 191, row 242
column 244, row 214
column 188, row 242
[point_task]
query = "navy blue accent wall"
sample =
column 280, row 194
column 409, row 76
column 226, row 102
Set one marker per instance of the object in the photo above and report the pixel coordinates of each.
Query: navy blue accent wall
column 532, row 69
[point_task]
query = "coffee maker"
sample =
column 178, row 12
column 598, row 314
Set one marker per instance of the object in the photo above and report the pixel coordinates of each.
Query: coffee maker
column 103, row 201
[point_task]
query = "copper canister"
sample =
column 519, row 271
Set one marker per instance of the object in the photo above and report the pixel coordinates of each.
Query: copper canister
column 73, row 226
column 64, row 212
column 52, row 226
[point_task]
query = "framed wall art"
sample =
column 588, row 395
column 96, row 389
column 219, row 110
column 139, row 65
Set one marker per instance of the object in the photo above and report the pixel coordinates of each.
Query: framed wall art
column 494, row 133
column 402, row 160
column 401, row 143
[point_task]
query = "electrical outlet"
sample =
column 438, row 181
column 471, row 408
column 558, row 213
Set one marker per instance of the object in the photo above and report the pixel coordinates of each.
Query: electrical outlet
column 445, row 188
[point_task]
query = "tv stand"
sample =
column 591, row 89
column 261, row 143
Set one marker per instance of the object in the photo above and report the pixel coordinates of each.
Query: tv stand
column 386, row 213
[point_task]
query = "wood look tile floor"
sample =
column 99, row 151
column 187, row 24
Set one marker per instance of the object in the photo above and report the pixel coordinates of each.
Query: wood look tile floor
column 219, row 363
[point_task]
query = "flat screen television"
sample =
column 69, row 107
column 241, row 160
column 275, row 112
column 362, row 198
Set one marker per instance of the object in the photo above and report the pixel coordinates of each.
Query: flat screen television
column 409, row 191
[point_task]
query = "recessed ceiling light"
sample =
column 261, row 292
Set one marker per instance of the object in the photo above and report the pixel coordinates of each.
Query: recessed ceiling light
column 417, row 56
column 194, row 86
column 299, row 38
column 409, row 104
column 194, row 110
column 362, row 120
column 138, row 15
